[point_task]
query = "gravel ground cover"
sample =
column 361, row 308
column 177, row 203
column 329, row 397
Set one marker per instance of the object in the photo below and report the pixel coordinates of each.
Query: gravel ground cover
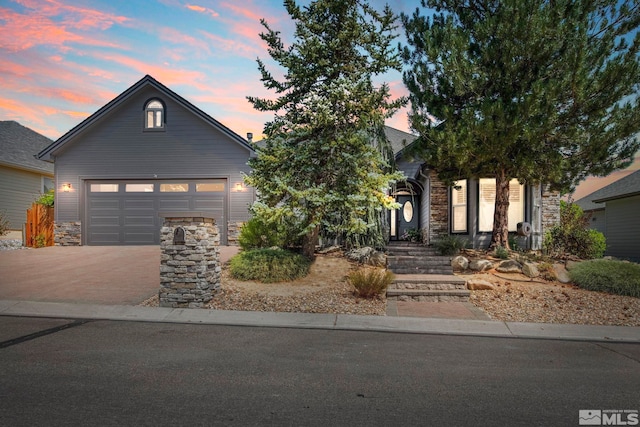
column 516, row 298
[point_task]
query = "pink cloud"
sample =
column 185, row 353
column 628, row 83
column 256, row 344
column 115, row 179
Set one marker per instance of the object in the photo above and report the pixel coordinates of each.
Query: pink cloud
column 231, row 45
column 201, row 9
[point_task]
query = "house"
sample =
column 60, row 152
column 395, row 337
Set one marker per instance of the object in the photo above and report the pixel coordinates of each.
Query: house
column 465, row 210
column 147, row 151
column 614, row 212
column 24, row 178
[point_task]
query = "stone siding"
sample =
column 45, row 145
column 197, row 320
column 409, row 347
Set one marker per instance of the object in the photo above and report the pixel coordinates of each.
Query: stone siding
column 233, row 232
column 68, row 233
column 189, row 272
column 439, row 209
column 550, row 208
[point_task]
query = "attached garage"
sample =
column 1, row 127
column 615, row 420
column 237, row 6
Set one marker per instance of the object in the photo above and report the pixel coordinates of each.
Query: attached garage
column 121, row 212
column 147, row 151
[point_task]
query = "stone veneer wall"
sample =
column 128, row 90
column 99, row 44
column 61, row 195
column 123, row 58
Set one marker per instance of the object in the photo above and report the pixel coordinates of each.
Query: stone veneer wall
column 550, row 208
column 67, row 233
column 439, row 209
column 189, row 273
column 233, row 232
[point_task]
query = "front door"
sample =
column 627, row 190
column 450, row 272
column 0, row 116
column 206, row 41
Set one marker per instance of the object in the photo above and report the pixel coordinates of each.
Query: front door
column 406, row 218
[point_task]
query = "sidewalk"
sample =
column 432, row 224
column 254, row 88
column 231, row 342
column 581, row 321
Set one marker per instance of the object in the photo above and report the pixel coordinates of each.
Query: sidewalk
column 322, row 321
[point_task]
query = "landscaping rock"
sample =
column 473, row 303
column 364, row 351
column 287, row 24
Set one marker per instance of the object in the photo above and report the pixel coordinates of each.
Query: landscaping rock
column 479, row 285
column 570, row 264
column 529, row 269
column 480, row 265
column 459, row 263
column 509, row 266
column 561, row 273
column 367, row 255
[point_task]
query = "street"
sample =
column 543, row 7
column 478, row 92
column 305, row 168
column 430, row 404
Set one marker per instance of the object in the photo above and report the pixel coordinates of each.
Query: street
column 59, row 372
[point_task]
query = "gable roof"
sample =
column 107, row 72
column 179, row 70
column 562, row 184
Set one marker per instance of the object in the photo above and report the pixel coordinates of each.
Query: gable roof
column 47, row 153
column 19, row 145
column 624, row 187
column 398, row 139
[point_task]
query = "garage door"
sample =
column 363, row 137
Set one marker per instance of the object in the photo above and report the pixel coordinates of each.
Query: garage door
column 126, row 212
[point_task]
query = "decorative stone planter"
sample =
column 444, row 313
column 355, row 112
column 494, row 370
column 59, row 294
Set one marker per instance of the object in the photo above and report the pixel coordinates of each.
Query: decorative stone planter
column 190, row 259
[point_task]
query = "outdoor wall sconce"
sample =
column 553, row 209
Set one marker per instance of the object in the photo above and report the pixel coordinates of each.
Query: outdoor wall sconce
column 66, row 187
column 239, row 187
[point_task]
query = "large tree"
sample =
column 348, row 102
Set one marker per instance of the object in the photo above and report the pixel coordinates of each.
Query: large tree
column 542, row 91
column 325, row 159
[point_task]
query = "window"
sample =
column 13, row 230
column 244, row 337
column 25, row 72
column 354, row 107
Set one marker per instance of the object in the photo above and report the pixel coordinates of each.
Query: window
column 487, row 200
column 47, row 184
column 174, row 188
column 216, row 186
column 104, row 188
column 139, row 188
column 154, row 115
column 459, row 207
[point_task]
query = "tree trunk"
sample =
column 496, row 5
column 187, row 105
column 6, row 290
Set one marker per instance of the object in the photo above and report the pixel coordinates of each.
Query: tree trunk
column 500, row 234
column 310, row 241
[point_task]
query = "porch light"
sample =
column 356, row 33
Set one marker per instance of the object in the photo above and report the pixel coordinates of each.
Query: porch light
column 66, row 187
column 239, row 187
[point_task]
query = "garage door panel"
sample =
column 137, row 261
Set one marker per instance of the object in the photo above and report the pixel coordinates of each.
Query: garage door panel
column 173, row 204
column 113, row 220
column 147, row 203
column 140, row 220
column 137, row 238
column 104, row 203
column 99, row 238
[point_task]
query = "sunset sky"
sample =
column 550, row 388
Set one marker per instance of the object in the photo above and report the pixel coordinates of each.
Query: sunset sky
column 61, row 60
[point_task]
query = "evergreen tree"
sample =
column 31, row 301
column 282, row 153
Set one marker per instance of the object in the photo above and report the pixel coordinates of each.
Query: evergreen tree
column 542, row 91
column 326, row 160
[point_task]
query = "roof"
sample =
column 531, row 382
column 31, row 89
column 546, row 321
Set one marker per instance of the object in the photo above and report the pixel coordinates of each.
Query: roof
column 19, row 145
column 624, row 187
column 146, row 81
column 398, row 139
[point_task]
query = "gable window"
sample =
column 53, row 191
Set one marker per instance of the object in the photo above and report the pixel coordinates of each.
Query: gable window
column 154, row 115
column 487, row 202
column 459, row 207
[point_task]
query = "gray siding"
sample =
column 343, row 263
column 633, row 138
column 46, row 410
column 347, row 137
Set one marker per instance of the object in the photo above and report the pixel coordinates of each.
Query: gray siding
column 623, row 228
column 598, row 220
column 117, row 147
column 18, row 190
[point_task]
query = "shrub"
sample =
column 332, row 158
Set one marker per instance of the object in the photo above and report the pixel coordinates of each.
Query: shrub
column 270, row 227
column 412, row 235
column 450, row 245
column 269, row 265
column 257, row 233
column 616, row 277
column 370, row 282
column 572, row 236
column 46, row 199
column 502, row 252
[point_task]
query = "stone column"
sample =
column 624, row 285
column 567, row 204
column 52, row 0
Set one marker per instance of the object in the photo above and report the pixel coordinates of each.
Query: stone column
column 190, row 259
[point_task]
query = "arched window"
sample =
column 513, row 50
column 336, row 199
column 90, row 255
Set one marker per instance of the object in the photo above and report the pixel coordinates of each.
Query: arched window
column 154, row 114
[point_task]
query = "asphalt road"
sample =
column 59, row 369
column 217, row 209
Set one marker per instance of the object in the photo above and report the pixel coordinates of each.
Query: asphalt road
column 59, row 372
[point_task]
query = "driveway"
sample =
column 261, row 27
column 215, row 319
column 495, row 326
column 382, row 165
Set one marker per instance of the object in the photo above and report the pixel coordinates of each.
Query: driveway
column 113, row 275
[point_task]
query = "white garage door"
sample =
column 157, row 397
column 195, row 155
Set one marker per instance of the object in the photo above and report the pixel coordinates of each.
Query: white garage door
column 125, row 212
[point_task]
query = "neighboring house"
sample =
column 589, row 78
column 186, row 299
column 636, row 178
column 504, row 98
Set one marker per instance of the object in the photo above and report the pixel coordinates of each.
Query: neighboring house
column 24, row 178
column 466, row 210
column 614, row 212
column 147, row 151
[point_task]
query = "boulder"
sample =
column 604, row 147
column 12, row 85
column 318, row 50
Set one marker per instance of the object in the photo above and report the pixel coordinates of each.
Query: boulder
column 529, row 269
column 570, row 264
column 561, row 273
column 509, row 266
column 480, row 265
column 459, row 263
column 367, row 255
column 378, row 259
column 479, row 285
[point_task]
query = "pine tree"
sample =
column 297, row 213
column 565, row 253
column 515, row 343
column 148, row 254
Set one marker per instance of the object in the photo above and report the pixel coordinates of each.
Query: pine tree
column 325, row 159
column 542, row 91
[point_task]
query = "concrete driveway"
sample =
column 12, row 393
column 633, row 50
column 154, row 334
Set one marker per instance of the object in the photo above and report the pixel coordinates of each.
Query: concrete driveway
column 113, row 275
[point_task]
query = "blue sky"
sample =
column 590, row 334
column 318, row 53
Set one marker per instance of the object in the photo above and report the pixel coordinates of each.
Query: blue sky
column 61, row 60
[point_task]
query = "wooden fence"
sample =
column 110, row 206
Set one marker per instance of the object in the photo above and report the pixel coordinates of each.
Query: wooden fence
column 39, row 226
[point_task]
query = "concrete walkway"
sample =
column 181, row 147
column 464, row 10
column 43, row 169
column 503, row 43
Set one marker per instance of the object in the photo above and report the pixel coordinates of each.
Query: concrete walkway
column 106, row 283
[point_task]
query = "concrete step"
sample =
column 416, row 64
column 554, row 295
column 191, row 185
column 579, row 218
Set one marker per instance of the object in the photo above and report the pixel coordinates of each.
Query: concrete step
column 440, row 270
column 428, row 287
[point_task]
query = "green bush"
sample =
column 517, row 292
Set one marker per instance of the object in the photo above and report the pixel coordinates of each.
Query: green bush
column 616, row 277
column 46, row 199
column 572, row 236
column 257, row 233
column 370, row 282
column 269, row 265
column 4, row 223
column 502, row 252
column 270, row 227
column 450, row 245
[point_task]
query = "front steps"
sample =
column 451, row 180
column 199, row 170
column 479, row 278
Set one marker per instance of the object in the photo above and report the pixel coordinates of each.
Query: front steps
column 422, row 275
